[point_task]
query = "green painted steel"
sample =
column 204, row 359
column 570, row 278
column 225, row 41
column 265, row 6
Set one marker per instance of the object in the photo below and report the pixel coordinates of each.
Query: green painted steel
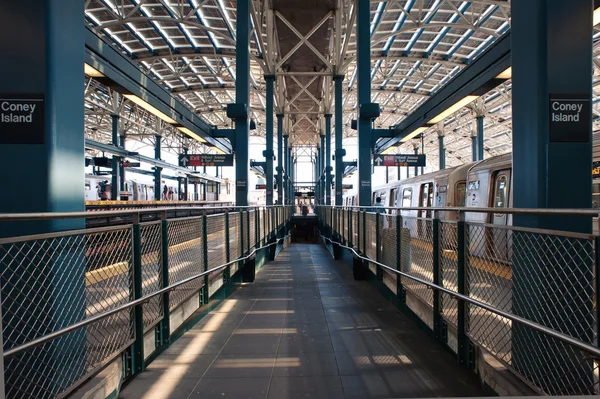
column 339, row 143
column 204, row 291
column 242, row 98
column 279, row 159
column 165, row 327
column 116, row 161
column 328, row 159
column 157, row 169
column 363, row 65
column 441, row 155
column 137, row 358
column 268, row 153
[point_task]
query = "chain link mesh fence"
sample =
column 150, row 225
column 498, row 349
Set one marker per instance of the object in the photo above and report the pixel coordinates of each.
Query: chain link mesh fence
column 186, row 257
column 151, row 251
column 215, row 230
column 252, row 228
column 388, row 250
column 234, row 240
column 449, row 270
column 50, row 282
column 417, row 256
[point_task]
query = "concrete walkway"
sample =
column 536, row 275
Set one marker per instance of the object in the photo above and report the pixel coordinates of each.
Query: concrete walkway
column 304, row 329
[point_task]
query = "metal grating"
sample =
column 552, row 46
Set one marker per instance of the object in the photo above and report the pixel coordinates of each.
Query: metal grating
column 417, row 255
column 186, row 257
column 151, row 237
column 449, row 270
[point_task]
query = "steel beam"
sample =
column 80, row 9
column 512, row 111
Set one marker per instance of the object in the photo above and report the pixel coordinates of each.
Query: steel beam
column 339, row 131
column 157, row 170
column 476, row 78
column 363, row 64
column 328, row 159
column 279, row 159
column 116, row 160
column 242, row 98
column 268, row 154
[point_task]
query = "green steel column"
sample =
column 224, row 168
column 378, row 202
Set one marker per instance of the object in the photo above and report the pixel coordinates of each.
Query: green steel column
column 474, row 156
column 416, row 167
column 268, row 154
column 552, row 154
column 442, row 153
column 340, row 152
column 321, row 175
column 186, row 181
column 437, row 308
column 116, row 160
column 157, row 170
column 286, row 167
column 328, row 159
column 137, row 357
column 363, row 63
column 463, row 309
column 280, row 158
column 479, row 138
column 121, row 167
column 204, row 290
column 242, row 99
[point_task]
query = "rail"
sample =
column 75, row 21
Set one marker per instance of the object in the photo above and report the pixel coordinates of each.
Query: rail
column 527, row 296
column 75, row 301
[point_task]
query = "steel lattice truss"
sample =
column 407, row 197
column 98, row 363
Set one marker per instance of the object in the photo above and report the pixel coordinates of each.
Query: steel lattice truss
column 417, row 47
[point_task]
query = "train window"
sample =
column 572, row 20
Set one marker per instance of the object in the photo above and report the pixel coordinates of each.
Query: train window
column 501, row 191
column 406, row 197
column 426, row 198
column 383, row 196
column 88, row 185
column 460, row 194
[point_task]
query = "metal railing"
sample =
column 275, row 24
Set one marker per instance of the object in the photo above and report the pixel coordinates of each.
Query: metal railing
column 527, row 296
column 74, row 301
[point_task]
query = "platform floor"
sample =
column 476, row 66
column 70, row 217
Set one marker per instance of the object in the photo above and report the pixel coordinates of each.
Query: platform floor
column 304, row 329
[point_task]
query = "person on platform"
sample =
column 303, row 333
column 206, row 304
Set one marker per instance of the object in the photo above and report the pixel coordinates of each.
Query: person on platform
column 170, row 193
column 165, row 193
column 378, row 204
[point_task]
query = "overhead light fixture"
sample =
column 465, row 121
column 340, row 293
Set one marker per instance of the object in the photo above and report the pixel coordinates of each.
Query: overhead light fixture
column 597, row 16
column 465, row 101
column 191, row 134
column 389, row 150
column 507, row 74
column 91, row 71
column 150, row 108
column 416, row 132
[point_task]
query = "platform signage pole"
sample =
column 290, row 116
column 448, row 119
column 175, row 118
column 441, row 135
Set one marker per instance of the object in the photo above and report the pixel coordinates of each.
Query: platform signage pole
column 242, row 98
column 363, row 63
column 552, row 58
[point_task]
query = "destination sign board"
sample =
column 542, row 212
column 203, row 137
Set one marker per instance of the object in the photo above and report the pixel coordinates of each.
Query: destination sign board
column 22, row 119
column 205, row 160
column 569, row 118
column 128, row 164
column 399, row 160
column 261, row 186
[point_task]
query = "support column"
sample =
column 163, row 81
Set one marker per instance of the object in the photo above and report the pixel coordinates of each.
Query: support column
column 186, row 180
column 43, row 43
column 320, row 172
column 268, row 154
column 416, row 147
column 479, row 138
column 422, row 151
column 280, row 158
column 157, row 170
column 286, row 167
column 116, row 161
column 474, row 156
column 328, row 159
column 442, row 151
column 363, row 62
column 121, row 167
column 340, row 152
column 242, row 99
column 205, row 186
column 549, row 68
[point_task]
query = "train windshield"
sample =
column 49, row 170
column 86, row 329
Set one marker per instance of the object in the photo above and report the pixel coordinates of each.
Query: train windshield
column 406, row 197
column 461, row 189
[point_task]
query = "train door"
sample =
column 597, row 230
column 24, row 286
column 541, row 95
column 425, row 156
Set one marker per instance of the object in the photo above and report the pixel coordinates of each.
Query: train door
column 392, row 200
column 425, row 201
column 499, row 241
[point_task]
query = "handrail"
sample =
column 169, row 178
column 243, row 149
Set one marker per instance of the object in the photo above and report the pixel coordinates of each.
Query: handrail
column 59, row 333
column 538, row 327
column 17, row 217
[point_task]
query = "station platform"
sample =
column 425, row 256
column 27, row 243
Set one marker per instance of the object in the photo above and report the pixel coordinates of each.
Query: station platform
column 304, row 329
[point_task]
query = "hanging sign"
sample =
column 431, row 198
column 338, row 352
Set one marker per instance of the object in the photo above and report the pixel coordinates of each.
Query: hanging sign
column 399, row 160
column 570, row 118
column 205, row 160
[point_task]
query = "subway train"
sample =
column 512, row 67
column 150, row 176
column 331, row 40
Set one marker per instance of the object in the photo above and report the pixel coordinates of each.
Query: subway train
column 482, row 184
column 142, row 189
